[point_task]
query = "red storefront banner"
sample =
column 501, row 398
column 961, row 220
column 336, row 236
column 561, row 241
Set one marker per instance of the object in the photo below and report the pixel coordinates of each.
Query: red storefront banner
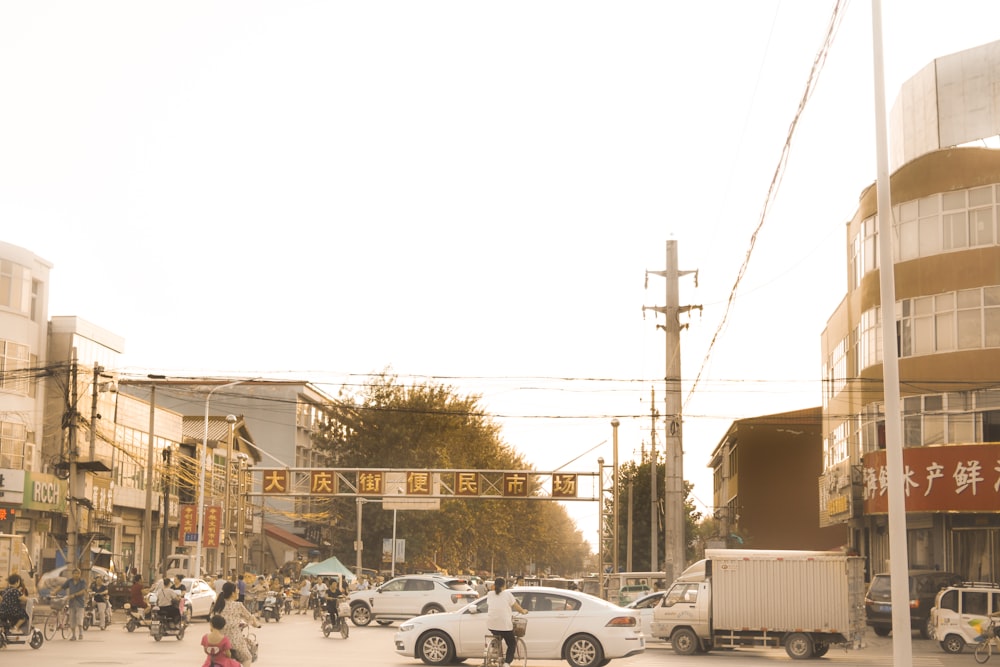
column 213, row 526
column 941, row 478
column 187, row 532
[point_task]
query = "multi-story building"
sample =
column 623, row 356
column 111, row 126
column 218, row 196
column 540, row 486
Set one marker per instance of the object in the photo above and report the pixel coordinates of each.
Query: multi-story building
column 764, row 472
column 30, row 498
column 282, row 415
column 946, row 250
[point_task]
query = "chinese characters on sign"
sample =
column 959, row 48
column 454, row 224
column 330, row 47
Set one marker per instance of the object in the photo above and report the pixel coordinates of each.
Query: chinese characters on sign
column 425, row 483
column 951, row 478
column 213, row 526
column 187, row 532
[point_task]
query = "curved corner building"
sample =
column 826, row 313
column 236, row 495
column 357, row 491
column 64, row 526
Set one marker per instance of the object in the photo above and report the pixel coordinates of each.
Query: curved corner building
column 946, row 249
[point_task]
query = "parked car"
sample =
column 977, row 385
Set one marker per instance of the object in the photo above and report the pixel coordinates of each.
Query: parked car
column 408, row 596
column 198, row 599
column 644, row 606
column 961, row 613
column 584, row 630
column 924, row 586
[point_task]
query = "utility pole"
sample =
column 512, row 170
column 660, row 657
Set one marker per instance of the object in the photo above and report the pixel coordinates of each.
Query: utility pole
column 674, row 542
column 654, row 508
column 147, row 522
column 73, row 526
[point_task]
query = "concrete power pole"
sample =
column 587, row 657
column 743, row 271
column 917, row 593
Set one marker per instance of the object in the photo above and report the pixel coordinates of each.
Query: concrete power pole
column 674, row 543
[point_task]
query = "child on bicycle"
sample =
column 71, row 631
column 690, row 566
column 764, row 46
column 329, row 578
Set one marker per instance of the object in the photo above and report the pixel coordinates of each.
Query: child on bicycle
column 500, row 604
column 216, row 645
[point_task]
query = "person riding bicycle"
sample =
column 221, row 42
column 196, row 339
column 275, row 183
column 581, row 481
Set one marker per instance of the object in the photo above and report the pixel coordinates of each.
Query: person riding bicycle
column 500, row 604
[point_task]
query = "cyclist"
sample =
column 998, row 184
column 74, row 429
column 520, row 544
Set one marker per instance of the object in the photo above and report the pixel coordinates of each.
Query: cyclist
column 500, row 604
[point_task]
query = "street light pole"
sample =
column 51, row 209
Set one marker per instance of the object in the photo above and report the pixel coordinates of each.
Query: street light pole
column 201, row 476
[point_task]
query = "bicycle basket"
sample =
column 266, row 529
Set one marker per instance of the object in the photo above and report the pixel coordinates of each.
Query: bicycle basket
column 56, row 604
column 520, row 626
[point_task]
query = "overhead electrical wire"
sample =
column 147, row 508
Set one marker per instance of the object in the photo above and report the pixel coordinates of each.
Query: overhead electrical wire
column 817, row 67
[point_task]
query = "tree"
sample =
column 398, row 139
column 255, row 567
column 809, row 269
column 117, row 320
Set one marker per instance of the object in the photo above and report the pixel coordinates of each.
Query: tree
column 638, row 477
column 426, row 426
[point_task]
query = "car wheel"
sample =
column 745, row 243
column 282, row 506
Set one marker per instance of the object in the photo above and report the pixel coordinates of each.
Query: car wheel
column 927, row 628
column 684, row 641
column 881, row 630
column 435, row 648
column 583, row 651
column 383, row 622
column 953, row 644
column 432, row 609
column 820, row 649
column 361, row 615
column 799, row 646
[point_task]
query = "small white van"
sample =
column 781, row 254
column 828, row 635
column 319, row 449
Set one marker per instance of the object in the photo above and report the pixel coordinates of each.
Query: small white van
column 962, row 612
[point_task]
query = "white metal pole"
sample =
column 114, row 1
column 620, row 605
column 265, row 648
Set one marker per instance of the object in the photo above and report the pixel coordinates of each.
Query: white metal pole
column 898, row 561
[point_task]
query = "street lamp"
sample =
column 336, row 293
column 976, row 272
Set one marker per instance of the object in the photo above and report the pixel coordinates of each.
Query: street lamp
column 227, row 503
column 201, row 475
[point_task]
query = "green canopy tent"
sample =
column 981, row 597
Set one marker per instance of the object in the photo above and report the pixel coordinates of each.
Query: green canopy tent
column 331, row 567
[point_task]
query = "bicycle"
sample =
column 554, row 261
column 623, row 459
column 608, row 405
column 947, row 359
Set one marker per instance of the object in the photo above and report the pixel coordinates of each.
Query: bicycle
column 493, row 651
column 989, row 637
column 57, row 620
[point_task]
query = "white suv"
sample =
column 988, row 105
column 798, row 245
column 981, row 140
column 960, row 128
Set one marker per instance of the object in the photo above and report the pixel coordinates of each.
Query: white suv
column 962, row 612
column 410, row 595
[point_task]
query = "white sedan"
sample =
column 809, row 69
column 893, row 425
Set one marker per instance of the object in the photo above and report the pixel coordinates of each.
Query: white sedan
column 198, row 599
column 644, row 606
column 562, row 624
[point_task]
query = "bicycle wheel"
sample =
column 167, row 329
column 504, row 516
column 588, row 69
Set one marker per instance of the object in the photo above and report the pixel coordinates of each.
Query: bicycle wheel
column 494, row 653
column 64, row 628
column 983, row 651
column 49, row 629
column 520, row 654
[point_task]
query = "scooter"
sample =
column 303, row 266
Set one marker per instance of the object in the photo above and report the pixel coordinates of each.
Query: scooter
column 167, row 624
column 270, row 609
column 340, row 622
column 28, row 634
column 136, row 617
column 93, row 616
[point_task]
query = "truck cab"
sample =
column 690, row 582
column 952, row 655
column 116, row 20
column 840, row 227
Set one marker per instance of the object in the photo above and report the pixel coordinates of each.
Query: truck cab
column 684, row 615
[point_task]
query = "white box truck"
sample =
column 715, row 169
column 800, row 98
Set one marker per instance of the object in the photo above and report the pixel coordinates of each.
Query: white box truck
column 805, row 601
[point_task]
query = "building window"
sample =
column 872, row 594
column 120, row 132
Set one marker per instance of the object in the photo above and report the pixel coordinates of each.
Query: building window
column 13, row 439
column 14, row 367
column 15, row 287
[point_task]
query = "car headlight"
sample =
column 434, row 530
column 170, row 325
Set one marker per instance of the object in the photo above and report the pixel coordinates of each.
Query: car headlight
column 407, row 626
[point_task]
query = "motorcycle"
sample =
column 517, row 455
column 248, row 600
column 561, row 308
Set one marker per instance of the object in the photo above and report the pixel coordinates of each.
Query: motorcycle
column 287, row 602
column 28, row 634
column 270, row 609
column 137, row 617
column 165, row 623
column 340, row 622
column 316, row 604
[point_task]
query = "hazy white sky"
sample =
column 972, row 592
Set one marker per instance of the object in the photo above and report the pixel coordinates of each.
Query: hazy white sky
column 463, row 190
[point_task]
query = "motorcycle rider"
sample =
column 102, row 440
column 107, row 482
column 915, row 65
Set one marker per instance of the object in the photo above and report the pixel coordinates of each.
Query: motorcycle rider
column 167, row 599
column 137, row 595
column 99, row 590
column 332, row 601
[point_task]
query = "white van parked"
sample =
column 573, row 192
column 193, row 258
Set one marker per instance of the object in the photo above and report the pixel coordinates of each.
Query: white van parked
column 962, row 612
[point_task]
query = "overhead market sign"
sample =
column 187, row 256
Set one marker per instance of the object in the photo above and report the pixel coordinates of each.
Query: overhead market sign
column 422, row 484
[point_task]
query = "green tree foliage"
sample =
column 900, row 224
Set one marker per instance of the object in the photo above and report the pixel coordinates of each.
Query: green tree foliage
column 424, row 426
column 638, row 477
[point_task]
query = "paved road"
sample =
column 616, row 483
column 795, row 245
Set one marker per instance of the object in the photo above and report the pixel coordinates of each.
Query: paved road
column 297, row 642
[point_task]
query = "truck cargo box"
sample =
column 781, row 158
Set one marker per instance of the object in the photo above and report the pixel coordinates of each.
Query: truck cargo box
column 807, row 591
